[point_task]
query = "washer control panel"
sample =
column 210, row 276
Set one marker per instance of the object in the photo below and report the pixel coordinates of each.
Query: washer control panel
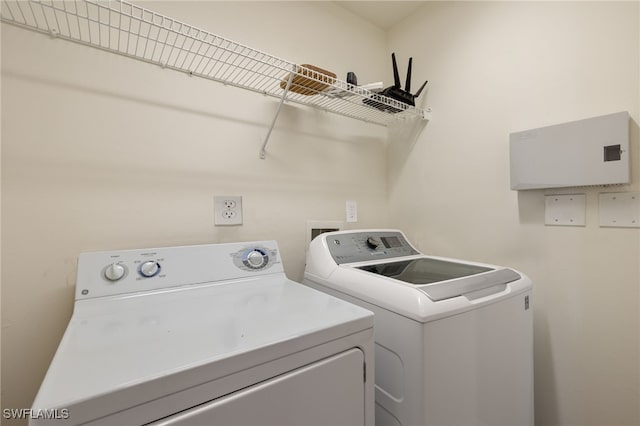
column 130, row 271
column 360, row 246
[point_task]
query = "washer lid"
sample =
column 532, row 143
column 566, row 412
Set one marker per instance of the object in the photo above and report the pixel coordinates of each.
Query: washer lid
column 424, row 270
column 121, row 351
column 434, row 276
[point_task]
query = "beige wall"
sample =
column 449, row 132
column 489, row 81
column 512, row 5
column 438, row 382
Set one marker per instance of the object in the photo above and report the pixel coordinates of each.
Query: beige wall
column 507, row 66
column 103, row 152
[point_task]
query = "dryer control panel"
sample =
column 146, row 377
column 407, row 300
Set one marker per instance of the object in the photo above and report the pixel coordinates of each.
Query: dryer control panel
column 110, row 273
column 360, row 246
column 254, row 258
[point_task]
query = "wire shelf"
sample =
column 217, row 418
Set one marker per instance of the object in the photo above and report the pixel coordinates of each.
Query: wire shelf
column 133, row 31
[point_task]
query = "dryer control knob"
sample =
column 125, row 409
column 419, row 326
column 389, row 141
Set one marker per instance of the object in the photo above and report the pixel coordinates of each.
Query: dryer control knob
column 114, row 272
column 149, row 269
column 373, row 242
column 256, row 259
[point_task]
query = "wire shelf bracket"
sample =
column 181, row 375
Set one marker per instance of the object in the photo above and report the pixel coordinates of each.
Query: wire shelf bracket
column 124, row 28
column 263, row 150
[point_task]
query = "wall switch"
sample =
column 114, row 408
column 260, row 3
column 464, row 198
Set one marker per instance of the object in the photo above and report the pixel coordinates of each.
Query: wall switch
column 227, row 210
column 352, row 211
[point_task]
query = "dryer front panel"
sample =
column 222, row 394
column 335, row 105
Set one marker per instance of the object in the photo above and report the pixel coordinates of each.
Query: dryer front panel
column 327, row 392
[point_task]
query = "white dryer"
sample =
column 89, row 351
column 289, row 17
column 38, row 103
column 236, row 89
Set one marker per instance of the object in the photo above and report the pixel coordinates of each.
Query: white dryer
column 210, row 334
column 453, row 339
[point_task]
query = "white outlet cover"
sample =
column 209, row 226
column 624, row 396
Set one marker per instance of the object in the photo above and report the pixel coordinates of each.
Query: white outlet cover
column 227, row 210
column 620, row 209
column 565, row 210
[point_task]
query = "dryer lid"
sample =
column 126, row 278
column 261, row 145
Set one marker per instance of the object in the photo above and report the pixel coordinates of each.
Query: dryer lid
column 122, row 351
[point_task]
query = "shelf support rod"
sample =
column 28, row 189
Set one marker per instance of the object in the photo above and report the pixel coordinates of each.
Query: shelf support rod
column 263, row 152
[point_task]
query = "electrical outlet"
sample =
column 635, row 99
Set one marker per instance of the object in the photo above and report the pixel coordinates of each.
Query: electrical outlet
column 227, row 210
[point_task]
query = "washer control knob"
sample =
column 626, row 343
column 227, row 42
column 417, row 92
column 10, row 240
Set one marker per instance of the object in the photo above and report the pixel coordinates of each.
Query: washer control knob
column 149, row 269
column 256, row 259
column 373, row 242
column 114, row 272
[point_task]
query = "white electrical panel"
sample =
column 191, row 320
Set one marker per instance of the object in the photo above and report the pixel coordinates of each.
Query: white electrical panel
column 620, row 210
column 587, row 152
column 565, row 210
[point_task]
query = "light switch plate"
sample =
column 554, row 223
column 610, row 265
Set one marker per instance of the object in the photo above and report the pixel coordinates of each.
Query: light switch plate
column 352, row 211
column 565, row 210
column 620, row 209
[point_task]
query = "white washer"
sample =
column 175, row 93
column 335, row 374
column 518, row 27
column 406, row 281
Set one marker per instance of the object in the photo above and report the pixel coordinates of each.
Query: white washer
column 210, row 334
column 454, row 339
